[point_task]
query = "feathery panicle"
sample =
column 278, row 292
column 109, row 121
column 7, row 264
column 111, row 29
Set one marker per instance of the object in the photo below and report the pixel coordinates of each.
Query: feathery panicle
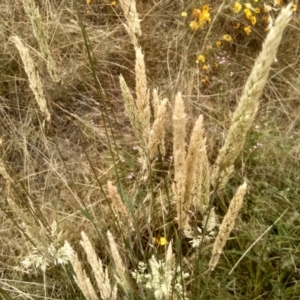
column 130, row 108
column 142, row 95
column 121, row 276
column 33, row 76
column 157, row 131
column 102, row 279
column 155, row 105
column 202, row 184
column 179, row 132
column 40, row 34
column 81, row 278
column 4, row 173
column 164, row 278
column 192, row 161
column 133, row 28
column 118, row 204
column 245, row 113
column 227, row 225
column 155, row 102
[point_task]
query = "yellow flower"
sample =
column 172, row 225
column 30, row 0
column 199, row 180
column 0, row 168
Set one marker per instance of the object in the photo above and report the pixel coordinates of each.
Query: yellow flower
column 161, row 241
column 113, row 3
column 204, row 18
column 184, row 14
column 257, row 10
column 227, row 38
column 196, row 13
column 205, row 8
column 205, row 68
column 294, row 7
column 248, row 5
column 253, row 20
column 247, row 13
column 201, row 58
column 89, row 1
column 237, row 7
column 194, row 25
column 218, row 43
column 247, row 30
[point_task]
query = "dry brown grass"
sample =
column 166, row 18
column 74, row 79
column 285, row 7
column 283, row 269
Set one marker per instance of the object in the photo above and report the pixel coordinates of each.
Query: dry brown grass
column 58, row 174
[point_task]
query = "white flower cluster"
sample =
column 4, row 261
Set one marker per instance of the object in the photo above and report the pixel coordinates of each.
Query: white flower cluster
column 163, row 280
column 45, row 254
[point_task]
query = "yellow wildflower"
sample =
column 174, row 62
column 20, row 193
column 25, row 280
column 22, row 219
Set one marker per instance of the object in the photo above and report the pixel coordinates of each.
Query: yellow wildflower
column 294, row 7
column 204, row 18
column 257, row 10
column 196, row 13
column 253, row 20
column 247, row 30
column 218, row 43
column 205, row 68
column 236, row 7
column 227, row 38
column 194, row 25
column 201, row 58
column 184, row 14
column 161, row 241
column 113, row 3
column 248, row 13
column 205, row 8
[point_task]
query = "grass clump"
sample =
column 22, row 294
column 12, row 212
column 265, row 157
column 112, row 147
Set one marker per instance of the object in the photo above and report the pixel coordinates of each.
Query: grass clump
column 145, row 185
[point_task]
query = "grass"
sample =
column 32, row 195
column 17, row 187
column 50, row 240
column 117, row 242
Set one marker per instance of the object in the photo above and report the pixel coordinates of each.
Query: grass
column 107, row 184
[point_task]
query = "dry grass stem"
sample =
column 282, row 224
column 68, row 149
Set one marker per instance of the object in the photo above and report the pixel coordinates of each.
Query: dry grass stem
column 102, row 278
column 227, row 225
column 245, row 113
column 179, row 132
column 33, row 76
column 41, row 35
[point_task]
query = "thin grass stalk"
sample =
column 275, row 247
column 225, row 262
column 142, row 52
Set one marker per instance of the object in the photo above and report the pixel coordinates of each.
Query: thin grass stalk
column 245, row 113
